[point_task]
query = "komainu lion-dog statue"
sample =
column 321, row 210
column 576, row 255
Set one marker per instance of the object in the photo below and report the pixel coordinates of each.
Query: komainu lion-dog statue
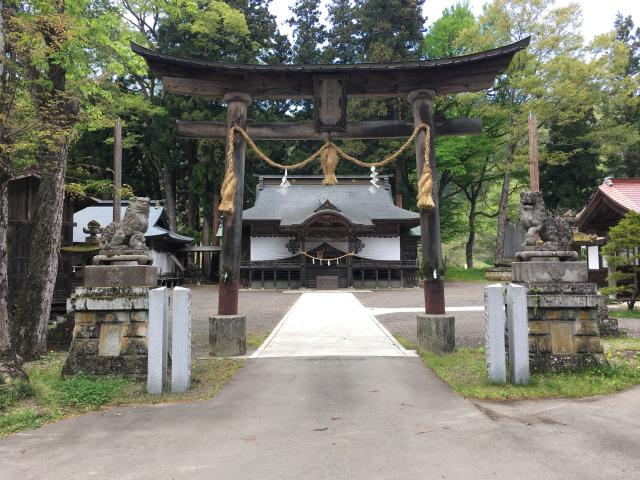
column 542, row 228
column 129, row 232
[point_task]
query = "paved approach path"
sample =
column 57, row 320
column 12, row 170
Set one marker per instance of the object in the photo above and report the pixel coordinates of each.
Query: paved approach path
column 327, row 417
column 336, row 418
column 330, row 324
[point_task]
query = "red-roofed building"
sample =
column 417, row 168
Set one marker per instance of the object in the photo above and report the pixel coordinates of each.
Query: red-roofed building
column 611, row 201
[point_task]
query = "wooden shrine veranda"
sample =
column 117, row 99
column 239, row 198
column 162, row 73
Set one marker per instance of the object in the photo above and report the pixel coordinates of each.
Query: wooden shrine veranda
column 330, row 87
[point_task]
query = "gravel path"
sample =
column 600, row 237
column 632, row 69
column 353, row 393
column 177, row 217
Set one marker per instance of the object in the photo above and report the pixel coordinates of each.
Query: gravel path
column 469, row 325
column 263, row 309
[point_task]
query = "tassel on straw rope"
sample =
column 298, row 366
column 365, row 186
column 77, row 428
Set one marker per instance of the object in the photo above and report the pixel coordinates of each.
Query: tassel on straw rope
column 425, row 184
column 230, row 182
column 329, row 154
column 329, row 162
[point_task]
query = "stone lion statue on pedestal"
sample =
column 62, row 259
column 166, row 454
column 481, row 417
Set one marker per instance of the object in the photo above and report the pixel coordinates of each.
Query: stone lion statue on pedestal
column 542, row 228
column 129, row 232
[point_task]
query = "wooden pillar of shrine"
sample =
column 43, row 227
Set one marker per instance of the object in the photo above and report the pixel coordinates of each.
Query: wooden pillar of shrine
column 237, row 104
column 421, row 105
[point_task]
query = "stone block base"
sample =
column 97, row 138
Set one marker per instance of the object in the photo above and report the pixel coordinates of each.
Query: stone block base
column 436, row 333
column 121, row 275
column 110, row 332
column 549, row 272
column 227, row 335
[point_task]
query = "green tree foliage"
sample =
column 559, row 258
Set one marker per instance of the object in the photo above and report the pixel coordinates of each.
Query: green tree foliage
column 308, row 32
column 623, row 252
column 343, row 45
column 441, row 40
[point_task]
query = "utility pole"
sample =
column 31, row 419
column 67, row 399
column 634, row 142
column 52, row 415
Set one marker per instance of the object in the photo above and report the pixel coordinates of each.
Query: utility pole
column 534, row 179
column 117, row 170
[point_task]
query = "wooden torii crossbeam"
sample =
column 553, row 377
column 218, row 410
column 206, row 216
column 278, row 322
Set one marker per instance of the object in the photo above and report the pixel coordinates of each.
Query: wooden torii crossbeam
column 329, row 86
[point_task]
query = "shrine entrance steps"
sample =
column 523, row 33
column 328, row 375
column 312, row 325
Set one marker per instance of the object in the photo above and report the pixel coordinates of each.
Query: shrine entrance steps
column 330, row 325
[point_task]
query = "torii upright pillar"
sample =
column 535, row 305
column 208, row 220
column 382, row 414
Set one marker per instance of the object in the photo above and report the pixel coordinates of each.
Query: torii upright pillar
column 237, row 104
column 421, row 105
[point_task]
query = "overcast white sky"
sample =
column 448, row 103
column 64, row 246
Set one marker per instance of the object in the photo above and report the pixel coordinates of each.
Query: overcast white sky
column 598, row 15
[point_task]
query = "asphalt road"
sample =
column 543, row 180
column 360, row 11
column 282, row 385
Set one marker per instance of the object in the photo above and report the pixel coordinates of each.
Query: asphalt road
column 337, row 418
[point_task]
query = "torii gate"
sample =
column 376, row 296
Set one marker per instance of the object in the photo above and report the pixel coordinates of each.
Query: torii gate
column 329, row 86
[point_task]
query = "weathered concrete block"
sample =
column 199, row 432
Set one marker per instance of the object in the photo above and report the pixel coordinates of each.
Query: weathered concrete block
column 86, row 331
column 181, row 340
column 109, row 298
column 549, row 272
column 120, row 275
column 538, row 328
column 227, row 335
column 562, row 301
column 518, row 328
column 436, row 333
column 110, row 336
column 158, row 340
column 585, row 327
column 494, row 327
column 562, row 337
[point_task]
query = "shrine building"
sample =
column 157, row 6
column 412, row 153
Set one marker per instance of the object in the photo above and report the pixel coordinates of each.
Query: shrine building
column 301, row 233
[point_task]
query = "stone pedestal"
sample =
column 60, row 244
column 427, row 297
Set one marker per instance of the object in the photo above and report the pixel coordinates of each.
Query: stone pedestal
column 227, row 335
column 436, row 333
column 562, row 311
column 111, row 321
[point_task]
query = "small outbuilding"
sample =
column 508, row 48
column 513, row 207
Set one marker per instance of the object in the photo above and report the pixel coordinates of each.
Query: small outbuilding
column 22, row 192
column 610, row 202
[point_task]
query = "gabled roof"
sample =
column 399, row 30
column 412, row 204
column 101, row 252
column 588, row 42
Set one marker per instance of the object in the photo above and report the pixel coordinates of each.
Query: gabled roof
column 354, row 197
column 103, row 213
column 612, row 199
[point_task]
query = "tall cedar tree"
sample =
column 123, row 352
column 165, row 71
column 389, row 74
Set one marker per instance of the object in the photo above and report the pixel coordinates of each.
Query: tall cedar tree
column 57, row 112
column 308, row 32
column 343, row 43
column 630, row 114
column 388, row 31
column 9, row 362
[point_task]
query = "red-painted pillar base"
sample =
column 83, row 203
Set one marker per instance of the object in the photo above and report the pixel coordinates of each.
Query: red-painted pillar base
column 228, row 298
column 434, row 296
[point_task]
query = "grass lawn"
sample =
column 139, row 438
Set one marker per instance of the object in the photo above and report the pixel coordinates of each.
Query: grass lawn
column 635, row 313
column 465, row 372
column 47, row 397
column 256, row 339
column 465, row 274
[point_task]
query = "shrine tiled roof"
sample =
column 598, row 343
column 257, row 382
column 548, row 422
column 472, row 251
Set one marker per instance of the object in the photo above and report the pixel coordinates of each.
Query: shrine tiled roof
column 360, row 203
column 612, row 199
column 623, row 191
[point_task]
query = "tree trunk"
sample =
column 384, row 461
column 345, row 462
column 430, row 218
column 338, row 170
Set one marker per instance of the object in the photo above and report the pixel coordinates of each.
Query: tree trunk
column 472, row 232
column 215, row 215
column 192, row 199
column 206, row 240
column 166, row 173
column 10, row 363
column 34, row 300
column 169, row 184
column 503, row 205
column 399, row 181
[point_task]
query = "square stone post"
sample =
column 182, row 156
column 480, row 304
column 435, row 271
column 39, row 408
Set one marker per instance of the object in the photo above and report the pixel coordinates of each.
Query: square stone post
column 158, row 340
column 495, row 319
column 518, row 326
column 421, row 105
column 237, row 104
column 181, row 340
